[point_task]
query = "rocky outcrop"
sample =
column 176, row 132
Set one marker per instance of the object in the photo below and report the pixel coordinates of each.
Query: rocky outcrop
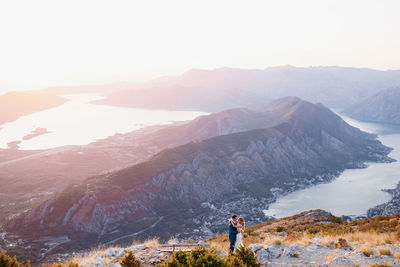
column 316, row 254
column 170, row 193
column 383, row 107
column 312, row 254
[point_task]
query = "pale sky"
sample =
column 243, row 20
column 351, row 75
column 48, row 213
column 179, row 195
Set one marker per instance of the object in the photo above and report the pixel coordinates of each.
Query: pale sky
column 50, row 42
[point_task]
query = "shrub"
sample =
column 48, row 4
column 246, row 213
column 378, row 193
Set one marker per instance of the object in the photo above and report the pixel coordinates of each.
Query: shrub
column 338, row 220
column 388, row 241
column 313, row 230
column 367, row 251
column 296, row 254
column 385, row 251
column 129, row 260
column 280, row 229
column 178, row 259
column 277, row 242
column 293, row 236
column 342, row 243
column 171, row 263
column 247, row 256
column 381, row 265
column 7, row 261
column 232, row 261
column 202, row 257
column 69, row 264
column 252, row 233
column 199, row 257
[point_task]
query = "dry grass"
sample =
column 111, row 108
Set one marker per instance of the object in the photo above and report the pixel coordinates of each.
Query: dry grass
column 173, row 240
column 365, row 239
column 385, row 251
column 298, row 238
column 370, row 232
column 152, row 243
column 88, row 260
column 381, row 265
column 95, row 252
column 220, row 243
column 367, row 251
column 331, row 256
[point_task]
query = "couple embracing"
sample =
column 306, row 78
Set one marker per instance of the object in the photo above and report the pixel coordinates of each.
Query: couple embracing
column 236, row 229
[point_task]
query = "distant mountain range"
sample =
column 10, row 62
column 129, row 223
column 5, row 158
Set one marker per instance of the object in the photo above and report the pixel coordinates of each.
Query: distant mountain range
column 240, row 160
column 16, row 104
column 225, row 88
column 383, row 107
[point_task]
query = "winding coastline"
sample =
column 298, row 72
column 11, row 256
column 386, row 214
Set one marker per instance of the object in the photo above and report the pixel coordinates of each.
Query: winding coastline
column 355, row 191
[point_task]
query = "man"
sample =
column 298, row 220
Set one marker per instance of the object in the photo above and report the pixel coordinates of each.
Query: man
column 233, row 231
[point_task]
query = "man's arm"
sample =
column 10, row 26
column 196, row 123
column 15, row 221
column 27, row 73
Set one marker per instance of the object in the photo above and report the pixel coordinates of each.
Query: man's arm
column 236, row 226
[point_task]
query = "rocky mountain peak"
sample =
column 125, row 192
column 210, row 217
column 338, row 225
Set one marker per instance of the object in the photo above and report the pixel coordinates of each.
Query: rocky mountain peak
column 236, row 161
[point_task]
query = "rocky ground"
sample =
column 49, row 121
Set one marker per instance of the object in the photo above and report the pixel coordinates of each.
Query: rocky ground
column 313, row 238
column 316, row 253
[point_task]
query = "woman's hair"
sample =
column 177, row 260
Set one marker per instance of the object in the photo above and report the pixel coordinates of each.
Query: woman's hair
column 241, row 221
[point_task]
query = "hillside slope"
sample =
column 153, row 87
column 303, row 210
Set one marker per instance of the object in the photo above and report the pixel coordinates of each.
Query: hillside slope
column 383, row 107
column 204, row 181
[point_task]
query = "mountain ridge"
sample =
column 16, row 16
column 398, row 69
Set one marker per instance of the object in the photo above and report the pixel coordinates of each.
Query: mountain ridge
column 201, row 180
column 384, row 107
column 224, row 88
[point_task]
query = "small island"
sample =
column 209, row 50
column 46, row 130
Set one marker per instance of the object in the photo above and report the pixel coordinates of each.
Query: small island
column 35, row 133
column 14, row 145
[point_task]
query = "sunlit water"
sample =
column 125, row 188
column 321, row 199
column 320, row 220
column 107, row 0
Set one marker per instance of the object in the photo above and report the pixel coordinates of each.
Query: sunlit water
column 77, row 122
column 354, row 191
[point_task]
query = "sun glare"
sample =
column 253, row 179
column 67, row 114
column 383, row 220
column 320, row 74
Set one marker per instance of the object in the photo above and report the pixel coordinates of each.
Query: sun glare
column 73, row 42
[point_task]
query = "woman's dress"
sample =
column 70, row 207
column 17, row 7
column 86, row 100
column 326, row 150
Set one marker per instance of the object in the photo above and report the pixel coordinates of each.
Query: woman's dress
column 239, row 237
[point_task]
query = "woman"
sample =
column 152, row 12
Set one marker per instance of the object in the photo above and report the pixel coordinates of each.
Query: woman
column 241, row 228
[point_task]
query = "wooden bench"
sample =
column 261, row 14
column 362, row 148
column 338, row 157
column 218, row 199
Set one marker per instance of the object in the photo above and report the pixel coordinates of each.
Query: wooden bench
column 182, row 247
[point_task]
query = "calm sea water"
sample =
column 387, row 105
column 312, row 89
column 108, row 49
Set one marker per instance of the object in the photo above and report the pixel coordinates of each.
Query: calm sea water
column 355, row 191
column 77, row 122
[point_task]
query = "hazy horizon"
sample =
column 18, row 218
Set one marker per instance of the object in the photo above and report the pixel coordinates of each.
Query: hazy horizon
column 77, row 84
column 51, row 43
